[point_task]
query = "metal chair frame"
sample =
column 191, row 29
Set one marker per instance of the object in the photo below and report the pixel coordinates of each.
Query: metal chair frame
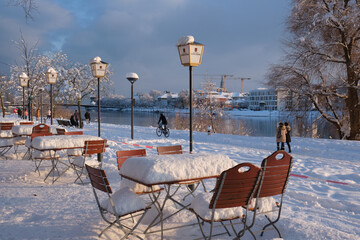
column 99, row 182
column 6, row 127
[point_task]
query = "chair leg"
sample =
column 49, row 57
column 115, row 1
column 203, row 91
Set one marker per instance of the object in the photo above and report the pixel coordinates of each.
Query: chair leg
column 269, row 224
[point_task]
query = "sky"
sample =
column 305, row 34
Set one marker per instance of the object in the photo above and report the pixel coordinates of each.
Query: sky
column 241, row 38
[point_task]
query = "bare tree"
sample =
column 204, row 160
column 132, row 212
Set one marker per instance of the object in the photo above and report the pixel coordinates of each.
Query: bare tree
column 322, row 61
column 29, row 7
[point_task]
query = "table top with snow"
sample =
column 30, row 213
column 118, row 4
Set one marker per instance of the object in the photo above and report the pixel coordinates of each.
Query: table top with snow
column 27, row 129
column 61, row 141
column 158, row 169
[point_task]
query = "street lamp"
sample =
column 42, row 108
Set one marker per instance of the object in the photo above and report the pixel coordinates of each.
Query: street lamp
column 41, row 104
column 132, row 77
column 52, row 77
column 24, row 80
column 98, row 70
column 190, row 53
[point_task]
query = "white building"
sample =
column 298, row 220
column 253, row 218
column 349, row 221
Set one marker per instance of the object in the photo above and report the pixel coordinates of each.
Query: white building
column 269, row 99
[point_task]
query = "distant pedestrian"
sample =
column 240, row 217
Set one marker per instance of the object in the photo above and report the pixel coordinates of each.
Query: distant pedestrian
column 20, row 113
column 87, row 117
column 280, row 136
column 49, row 114
column 37, row 114
column 209, row 130
column 26, row 114
column 76, row 117
column 288, row 136
column 72, row 121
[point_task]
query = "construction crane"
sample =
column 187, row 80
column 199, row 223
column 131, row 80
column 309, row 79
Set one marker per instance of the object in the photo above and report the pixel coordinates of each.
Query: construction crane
column 225, row 77
column 242, row 82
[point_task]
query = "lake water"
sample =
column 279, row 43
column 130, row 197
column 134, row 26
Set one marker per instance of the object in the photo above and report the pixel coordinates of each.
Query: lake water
column 240, row 125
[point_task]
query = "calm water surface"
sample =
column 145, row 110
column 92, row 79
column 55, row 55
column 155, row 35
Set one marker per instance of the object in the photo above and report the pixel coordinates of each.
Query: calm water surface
column 240, row 125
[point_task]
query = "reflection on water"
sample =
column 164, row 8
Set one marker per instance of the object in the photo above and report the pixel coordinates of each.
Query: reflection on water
column 239, row 125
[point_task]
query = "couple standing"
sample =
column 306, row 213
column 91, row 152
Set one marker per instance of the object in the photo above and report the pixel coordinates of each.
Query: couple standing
column 283, row 136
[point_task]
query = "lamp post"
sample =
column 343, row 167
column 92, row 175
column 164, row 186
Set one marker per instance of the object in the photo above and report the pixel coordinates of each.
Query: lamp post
column 52, row 77
column 132, row 77
column 190, row 53
column 41, row 104
column 98, row 70
column 24, row 80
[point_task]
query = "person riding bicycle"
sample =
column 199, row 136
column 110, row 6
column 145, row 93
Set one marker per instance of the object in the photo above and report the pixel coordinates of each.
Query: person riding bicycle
column 162, row 121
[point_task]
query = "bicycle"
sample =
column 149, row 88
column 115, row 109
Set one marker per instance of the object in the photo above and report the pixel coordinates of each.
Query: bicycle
column 161, row 130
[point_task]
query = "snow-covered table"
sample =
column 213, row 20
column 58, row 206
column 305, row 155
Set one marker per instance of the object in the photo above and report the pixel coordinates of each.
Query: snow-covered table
column 170, row 169
column 173, row 169
column 48, row 146
column 26, row 130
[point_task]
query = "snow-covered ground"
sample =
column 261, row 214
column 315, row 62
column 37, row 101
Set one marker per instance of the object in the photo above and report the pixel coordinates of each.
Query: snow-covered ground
column 313, row 208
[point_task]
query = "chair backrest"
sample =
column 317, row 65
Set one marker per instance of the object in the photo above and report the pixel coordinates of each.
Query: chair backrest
column 276, row 170
column 41, row 128
column 60, row 131
column 40, row 134
column 94, row 146
column 98, row 179
column 26, row 123
column 121, row 156
column 74, row 133
column 164, row 150
column 236, row 186
column 6, row 126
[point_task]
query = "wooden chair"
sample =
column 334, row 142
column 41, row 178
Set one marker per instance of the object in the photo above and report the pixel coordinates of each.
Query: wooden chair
column 138, row 188
column 26, row 123
column 177, row 149
column 234, row 190
column 41, row 128
column 163, row 150
column 74, row 133
column 115, row 208
column 6, row 137
column 91, row 147
column 276, row 170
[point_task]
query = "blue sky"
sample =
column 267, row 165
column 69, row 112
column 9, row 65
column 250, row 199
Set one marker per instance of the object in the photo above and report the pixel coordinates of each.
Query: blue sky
column 241, row 37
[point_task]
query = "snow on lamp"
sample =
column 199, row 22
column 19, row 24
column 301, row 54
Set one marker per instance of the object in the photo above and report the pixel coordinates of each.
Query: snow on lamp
column 51, row 75
column 23, row 79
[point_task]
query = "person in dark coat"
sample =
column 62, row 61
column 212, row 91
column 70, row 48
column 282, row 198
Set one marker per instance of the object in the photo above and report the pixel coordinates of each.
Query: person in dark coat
column 72, row 120
column 162, row 121
column 288, row 137
column 280, row 136
column 20, row 113
column 87, row 117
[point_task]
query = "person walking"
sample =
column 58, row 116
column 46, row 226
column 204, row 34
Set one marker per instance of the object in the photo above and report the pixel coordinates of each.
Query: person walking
column 280, row 136
column 20, row 113
column 87, row 117
column 288, row 137
column 26, row 114
column 76, row 118
column 37, row 114
column 48, row 114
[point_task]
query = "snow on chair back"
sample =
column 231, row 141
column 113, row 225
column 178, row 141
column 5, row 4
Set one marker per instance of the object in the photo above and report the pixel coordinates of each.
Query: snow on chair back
column 41, row 128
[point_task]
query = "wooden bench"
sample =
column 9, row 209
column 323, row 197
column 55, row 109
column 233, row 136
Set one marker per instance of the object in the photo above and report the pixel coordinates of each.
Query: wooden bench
column 64, row 122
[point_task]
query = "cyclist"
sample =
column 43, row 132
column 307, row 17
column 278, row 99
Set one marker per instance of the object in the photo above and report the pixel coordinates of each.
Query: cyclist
column 162, row 121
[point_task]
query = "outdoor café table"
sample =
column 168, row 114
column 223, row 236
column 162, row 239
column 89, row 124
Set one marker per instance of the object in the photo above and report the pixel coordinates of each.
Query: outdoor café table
column 55, row 143
column 173, row 169
column 26, row 130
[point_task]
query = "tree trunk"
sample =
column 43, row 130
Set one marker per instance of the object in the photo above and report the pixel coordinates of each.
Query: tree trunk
column 2, row 106
column 80, row 118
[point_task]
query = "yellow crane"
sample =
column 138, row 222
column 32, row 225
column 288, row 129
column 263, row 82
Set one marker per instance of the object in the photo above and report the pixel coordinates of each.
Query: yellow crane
column 225, row 77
